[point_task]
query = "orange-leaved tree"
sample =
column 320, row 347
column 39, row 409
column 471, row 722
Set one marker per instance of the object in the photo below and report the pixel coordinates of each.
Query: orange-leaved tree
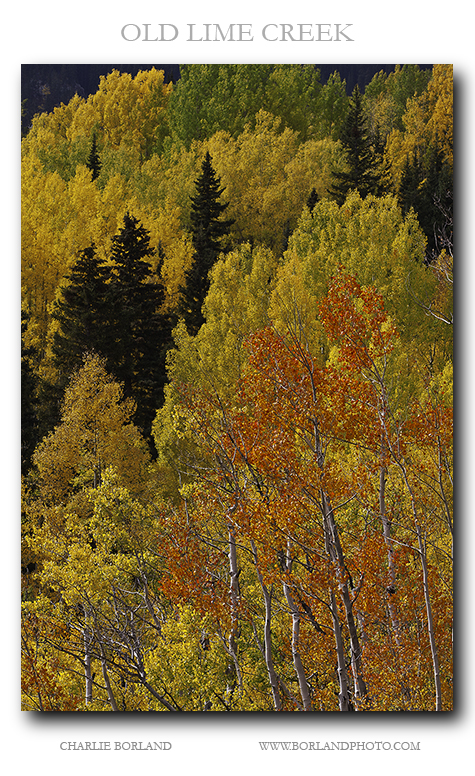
column 328, row 513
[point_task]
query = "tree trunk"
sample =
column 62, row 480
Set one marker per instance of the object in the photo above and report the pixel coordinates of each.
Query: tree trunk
column 234, row 594
column 338, row 561
column 298, row 665
column 337, row 558
column 87, row 664
column 342, row 672
column 430, row 622
column 391, row 588
column 273, row 679
column 107, row 683
column 297, row 660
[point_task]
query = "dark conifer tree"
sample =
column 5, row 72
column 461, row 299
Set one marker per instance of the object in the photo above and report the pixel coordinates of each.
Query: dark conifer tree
column 93, row 162
column 312, row 199
column 426, row 185
column 82, row 314
column 361, row 158
column 141, row 334
column 286, row 237
column 207, row 229
column 410, row 179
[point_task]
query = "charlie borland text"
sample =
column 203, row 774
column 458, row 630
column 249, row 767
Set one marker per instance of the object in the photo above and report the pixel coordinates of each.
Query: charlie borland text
column 101, row 746
column 237, row 33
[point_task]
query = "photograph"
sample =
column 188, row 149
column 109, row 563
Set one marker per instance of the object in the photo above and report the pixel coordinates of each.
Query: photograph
column 229, row 315
column 237, row 388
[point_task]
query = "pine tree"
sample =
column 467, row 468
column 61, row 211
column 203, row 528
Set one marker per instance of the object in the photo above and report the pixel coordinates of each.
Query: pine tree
column 313, row 198
column 141, row 334
column 207, row 233
column 426, row 186
column 82, row 314
column 361, row 159
column 93, row 162
column 83, row 326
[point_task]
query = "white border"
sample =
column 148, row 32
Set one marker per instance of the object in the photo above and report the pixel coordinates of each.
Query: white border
column 52, row 31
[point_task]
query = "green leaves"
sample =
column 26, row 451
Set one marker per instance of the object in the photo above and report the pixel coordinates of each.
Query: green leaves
column 301, row 411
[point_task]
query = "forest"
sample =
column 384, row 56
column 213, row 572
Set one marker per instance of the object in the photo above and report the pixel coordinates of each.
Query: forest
column 237, row 393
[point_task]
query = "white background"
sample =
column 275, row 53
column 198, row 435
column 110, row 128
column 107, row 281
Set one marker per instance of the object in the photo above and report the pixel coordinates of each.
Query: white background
column 89, row 32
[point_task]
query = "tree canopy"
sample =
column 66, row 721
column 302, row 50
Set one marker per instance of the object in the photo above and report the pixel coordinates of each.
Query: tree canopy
column 237, row 394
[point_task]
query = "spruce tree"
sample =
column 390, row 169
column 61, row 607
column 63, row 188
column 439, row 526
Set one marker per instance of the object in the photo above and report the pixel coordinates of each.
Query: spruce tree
column 312, row 200
column 362, row 161
column 83, row 326
column 141, row 334
column 426, row 186
column 208, row 230
column 93, row 162
column 82, row 314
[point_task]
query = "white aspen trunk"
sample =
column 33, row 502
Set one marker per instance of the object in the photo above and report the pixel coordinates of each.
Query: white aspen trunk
column 234, row 595
column 298, row 665
column 334, row 548
column 335, row 552
column 338, row 559
column 87, row 664
column 430, row 622
column 391, row 589
column 425, row 586
column 273, row 680
column 107, row 683
column 422, row 552
column 342, row 672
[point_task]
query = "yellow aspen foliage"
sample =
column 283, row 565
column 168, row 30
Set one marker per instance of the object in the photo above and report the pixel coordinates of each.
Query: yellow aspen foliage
column 236, row 306
column 44, row 216
column 440, row 109
column 290, row 546
column 368, row 237
column 268, row 175
column 95, row 432
column 428, row 121
column 254, row 177
column 126, row 110
column 311, row 168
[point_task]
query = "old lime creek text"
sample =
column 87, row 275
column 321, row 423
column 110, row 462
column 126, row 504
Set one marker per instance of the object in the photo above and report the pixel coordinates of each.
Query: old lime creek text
column 237, row 33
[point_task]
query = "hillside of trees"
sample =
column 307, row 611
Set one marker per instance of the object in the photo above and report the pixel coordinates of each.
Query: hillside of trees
column 237, row 393
column 46, row 86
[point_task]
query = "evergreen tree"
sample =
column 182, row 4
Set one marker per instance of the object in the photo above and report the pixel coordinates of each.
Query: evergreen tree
column 141, row 334
column 82, row 314
column 83, row 326
column 207, row 232
column 426, row 186
column 93, row 162
column 361, row 158
column 312, row 199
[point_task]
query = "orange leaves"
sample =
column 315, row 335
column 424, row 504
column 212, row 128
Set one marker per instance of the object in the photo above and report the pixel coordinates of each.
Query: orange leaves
column 42, row 669
column 355, row 318
column 191, row 569
column 312, row 465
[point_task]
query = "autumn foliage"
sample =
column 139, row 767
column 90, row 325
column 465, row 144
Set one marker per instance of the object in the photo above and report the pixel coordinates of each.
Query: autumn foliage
column 282, row 540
